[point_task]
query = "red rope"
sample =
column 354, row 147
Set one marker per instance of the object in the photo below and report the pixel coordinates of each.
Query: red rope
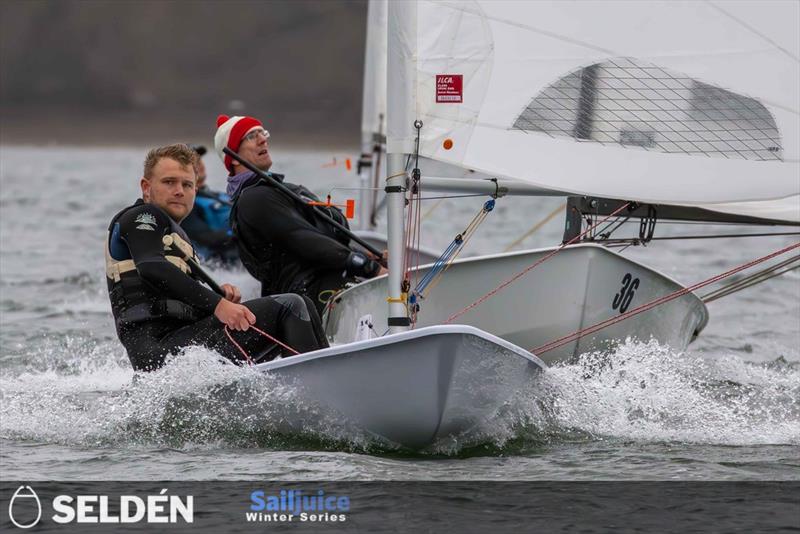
column 244, row 352
column 416, row 243
column 409, row 231
column 661, row 300
column 419, row 231
column 525, row 271
column 413, row 231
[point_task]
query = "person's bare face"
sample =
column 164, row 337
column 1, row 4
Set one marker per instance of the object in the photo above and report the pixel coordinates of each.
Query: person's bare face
column 171, row 187
column 255, row 149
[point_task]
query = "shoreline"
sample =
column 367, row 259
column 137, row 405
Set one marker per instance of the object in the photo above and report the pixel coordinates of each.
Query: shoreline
column 287, row 145
column 139, row 130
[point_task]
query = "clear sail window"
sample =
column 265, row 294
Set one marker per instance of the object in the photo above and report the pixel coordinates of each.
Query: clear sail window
column 634, row 104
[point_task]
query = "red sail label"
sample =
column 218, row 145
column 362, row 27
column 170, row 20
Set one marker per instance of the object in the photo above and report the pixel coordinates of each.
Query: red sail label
column 449, row 88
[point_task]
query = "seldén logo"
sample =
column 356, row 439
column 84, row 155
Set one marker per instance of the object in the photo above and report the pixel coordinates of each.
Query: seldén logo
column 160, row 508
column 21, row 504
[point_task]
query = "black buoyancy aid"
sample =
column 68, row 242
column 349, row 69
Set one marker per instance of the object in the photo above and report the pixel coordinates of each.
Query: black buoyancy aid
column 265, row 271
column 266, row 262
column 133, row 299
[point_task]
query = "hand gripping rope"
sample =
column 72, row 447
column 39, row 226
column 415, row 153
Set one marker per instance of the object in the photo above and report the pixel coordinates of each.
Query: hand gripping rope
column 168, row 242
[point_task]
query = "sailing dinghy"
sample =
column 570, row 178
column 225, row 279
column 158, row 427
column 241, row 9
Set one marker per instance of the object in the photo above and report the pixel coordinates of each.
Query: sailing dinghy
column 593, row 101
column 416, row 389
column 630, row 110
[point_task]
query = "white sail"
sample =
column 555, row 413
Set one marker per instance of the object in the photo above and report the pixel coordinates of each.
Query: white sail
column 665, row 102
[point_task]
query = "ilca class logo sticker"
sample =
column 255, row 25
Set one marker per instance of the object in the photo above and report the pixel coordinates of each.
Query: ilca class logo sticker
column 25, row 508
column 449, row 88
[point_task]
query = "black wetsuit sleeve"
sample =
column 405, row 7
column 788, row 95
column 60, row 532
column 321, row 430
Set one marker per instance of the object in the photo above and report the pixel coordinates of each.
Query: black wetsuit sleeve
column 142, row 229
column 276, row 218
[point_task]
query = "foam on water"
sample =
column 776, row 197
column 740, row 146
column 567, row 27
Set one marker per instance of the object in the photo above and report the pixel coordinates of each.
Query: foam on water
column 643, row 392
column 197, row 399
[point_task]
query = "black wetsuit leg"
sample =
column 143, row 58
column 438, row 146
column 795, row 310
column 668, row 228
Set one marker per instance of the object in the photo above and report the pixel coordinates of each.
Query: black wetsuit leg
column 287, row 318
column 316, row 321
column 300, row 324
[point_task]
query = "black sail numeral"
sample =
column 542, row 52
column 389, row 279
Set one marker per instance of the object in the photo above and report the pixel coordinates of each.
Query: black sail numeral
column 623, row 299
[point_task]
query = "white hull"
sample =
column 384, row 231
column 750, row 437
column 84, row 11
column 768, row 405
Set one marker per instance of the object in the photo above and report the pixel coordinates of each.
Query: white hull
column 574, row 289
column 412, row 389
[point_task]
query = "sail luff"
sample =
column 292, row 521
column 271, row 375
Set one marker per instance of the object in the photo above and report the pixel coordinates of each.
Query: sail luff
column 401, row 96
column 401, row 90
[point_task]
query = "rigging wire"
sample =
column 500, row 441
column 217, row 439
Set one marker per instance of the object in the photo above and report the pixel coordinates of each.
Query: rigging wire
column 636, row 240
column 446, row 259
column 432, row 208
column 753, row 279
column 443, row 197
column 710, row 223
column 611, row 227
column 411, row 254
column 526, row 270
column 536, row 227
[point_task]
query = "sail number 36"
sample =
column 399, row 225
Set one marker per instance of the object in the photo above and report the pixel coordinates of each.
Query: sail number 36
column 623, row 299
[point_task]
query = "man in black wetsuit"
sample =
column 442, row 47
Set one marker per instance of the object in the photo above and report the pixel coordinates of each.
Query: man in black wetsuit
column 281, row 243
column 208, row 224
column 158, row 304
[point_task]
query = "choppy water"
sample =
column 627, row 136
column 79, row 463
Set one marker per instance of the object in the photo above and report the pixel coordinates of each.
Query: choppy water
column 728, row 408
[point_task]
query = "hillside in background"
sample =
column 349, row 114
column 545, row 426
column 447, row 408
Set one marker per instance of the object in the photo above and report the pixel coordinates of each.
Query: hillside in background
column 149, row 71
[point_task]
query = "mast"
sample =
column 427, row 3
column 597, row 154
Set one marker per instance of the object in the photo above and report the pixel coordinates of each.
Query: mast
column 395, row 206
column 373, row 106
column 400, row 117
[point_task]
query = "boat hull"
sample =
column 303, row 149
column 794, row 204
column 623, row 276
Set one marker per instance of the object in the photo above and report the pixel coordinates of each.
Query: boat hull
column 413, row 390
column 575, row 289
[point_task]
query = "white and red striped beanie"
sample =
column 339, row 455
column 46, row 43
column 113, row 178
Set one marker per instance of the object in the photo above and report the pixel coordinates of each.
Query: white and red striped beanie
column 230, row 131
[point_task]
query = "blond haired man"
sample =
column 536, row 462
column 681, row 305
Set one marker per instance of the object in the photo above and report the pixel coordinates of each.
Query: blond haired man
column 158, row 303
